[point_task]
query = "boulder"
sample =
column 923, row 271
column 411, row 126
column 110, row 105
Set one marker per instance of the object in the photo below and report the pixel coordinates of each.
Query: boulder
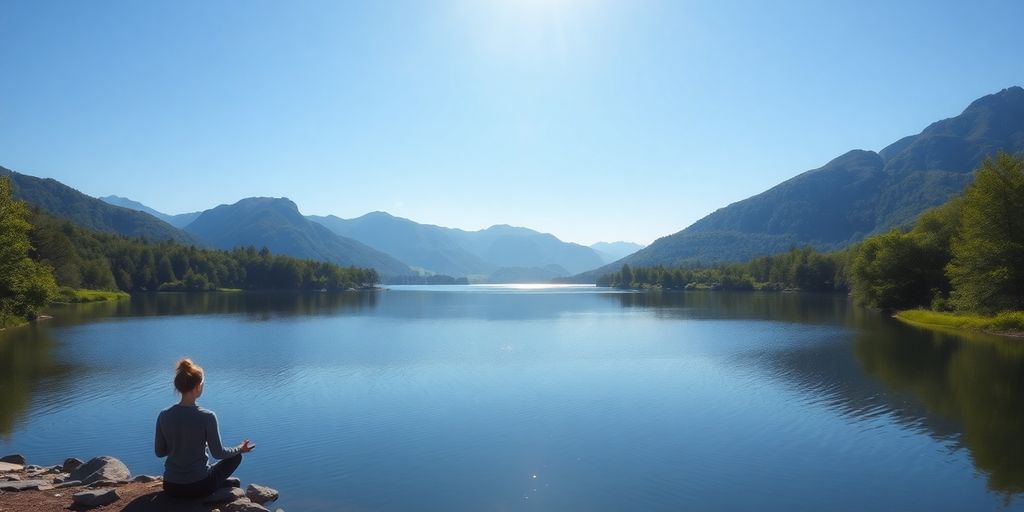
column 6, row 467
column 101, row 468
column 224, row 494
column 15, row 458
column 243, row 505
column 25, row 485
column 145, row 479
column 260, row 494
column 71, row 465
column 11, row 476
column 96, row 498
column 233, row 482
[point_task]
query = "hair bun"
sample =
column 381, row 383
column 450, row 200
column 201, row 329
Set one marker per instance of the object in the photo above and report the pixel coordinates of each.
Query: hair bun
column 188, row 375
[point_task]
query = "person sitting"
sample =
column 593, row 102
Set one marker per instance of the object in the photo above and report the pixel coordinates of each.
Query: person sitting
column 183, row 433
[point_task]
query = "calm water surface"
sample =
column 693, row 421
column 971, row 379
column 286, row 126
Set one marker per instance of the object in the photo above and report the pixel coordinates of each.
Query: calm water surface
column 518, row 399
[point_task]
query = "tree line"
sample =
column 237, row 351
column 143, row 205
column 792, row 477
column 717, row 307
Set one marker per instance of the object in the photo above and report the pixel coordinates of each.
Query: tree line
column 799, row 269
column 39, row 254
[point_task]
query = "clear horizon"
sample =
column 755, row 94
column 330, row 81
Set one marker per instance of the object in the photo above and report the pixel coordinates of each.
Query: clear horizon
column 590, row 120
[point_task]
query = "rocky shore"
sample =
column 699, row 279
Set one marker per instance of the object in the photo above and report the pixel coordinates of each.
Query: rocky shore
column 105, row 483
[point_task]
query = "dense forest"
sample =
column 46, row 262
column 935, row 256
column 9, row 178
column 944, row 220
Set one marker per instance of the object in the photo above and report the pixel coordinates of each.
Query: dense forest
column 799, row 269
column 966, row 256
column 40, row 255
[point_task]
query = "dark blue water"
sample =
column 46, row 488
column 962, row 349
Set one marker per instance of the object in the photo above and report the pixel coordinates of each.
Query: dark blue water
column 492, row 398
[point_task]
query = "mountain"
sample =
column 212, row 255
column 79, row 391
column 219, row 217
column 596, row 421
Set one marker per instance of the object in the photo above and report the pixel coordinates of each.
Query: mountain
column 855, row 195
column 179, row 221
column 428, row 247
column 614, row 251
column 275, row 223
column 67, row 203
column 465, row 253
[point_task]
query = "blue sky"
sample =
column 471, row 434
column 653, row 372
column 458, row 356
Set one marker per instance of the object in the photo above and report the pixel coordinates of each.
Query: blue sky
column 590, row 119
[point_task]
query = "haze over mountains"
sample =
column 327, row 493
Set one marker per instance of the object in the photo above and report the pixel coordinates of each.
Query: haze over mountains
column 179, row 221
column 855, row 195
column 393, row 245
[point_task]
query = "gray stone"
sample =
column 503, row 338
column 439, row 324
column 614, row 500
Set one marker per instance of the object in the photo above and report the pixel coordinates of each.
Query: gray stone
column 224, row 494
column 106, row 483
column 145, row 479
column 14, row 458
column 6, row 467
column 25, row 485
column 69, row 483
column 260, row 494
column 243, row 505
column 95, row 498
column 233, row 481
column 12, row 476
column 101, row 468
column 71, row 464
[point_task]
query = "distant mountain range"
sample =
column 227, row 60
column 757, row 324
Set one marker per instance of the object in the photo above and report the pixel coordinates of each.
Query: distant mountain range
column 378, row 240
column 522, row 253
column 855, row 195
column 67, row 203
column 614, row 251
column 275, row 223
column 179, row 221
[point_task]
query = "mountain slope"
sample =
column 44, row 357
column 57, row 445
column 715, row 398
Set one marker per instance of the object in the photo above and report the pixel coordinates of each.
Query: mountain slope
column 179, row 221
column 277, row 224
column 67, row 203
column 463, row 253
column 421, row 245
column 614, row 251
column 855, row 195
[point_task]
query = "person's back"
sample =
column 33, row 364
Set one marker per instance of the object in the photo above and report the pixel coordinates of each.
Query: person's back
column 183, row 433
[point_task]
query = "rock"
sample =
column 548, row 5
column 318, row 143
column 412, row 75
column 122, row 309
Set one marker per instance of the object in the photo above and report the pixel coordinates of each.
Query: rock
column 106, row 483
column 95, row 498
column 145, row 479
column 11, row 476
column 233, row 481
column 224, row 494
column 25, row 485
column 6, row 467
column 243, row 505
column 69, row 483
column 71, row 465
column 15, row 458
column 101, row 468
column 260, row 494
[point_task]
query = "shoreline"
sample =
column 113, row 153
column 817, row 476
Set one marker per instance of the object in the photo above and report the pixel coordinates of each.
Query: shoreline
column 1006, row 325
column 105, row 483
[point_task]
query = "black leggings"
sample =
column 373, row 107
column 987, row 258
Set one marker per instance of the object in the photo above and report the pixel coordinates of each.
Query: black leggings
column 215, row 479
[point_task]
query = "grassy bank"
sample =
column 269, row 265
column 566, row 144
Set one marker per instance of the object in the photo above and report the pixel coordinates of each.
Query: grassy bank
column 1006, row 323
column 69, row 296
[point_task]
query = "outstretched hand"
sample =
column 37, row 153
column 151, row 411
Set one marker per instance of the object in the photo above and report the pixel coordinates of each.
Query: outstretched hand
column 245, row 447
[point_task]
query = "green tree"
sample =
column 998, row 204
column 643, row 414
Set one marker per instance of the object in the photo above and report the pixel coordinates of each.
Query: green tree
column 987, row 268
column 25, row 285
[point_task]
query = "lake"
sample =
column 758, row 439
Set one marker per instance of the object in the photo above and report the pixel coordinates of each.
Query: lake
column 518, row 398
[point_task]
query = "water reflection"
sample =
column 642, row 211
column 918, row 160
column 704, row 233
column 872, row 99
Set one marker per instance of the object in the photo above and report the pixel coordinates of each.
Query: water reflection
column 815, row 309
column 255, row 305
column 975, row 380
column 26, row 361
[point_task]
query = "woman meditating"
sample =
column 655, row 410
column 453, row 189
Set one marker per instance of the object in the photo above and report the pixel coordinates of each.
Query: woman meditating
column 184, row 431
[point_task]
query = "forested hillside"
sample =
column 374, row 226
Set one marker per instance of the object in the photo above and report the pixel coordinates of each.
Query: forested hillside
column 67, row 203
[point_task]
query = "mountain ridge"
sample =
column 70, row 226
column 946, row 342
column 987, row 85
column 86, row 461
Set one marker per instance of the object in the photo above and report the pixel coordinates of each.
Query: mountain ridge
column 862, row 192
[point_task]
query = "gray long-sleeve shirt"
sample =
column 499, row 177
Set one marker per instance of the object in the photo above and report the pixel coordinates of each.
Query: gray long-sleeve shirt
column 182, row 435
